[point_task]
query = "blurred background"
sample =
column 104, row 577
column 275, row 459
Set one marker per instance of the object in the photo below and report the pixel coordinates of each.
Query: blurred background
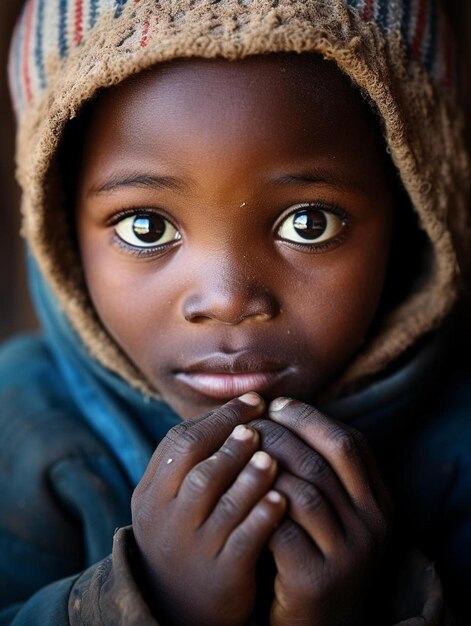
column 15, row 310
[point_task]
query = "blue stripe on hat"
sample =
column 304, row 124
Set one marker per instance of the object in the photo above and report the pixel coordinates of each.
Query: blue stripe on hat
column 63, row 48
column 18, row 59
column 93, row 12
column 383, row 13
column 354, row 3
column 38, row 45
column 119, row 7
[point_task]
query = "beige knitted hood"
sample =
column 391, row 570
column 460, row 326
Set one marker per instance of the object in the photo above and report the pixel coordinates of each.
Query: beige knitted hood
column 397, row 52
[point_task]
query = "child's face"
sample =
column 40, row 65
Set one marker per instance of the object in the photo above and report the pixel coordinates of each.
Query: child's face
column 234, row 220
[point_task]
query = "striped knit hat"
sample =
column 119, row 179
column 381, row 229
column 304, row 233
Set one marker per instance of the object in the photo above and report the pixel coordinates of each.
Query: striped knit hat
column 398, row 52
column 59, row 27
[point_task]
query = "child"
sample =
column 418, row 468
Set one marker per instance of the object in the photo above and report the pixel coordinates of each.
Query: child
column 220, row 245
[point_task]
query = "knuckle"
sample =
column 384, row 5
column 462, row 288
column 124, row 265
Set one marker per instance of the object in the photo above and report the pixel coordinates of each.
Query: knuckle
column 288, row 534
column 308, row 498
column 227, row 413
column 177, row 431
column 306, row 413
column 314, row 580
column 184, row 438
column 273, row 435
column 228, row 507
column 259, row 423
column 240, row 542
column 343, row 443
column 228, row 453
column 312, row 465
column 198, row 480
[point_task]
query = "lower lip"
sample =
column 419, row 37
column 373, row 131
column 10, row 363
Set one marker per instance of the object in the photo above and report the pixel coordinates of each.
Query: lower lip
column 225, row 386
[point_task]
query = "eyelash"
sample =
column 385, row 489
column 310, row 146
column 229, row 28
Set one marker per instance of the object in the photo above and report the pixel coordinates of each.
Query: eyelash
column 305, row 247
column 132, row 250
column 323, row 245
column 140, row 252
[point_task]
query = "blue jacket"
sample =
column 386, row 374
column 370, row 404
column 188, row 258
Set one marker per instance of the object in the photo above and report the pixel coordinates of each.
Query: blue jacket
column 76, row 439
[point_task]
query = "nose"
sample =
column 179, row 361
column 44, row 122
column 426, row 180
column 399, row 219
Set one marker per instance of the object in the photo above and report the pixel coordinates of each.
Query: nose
column 227, row 293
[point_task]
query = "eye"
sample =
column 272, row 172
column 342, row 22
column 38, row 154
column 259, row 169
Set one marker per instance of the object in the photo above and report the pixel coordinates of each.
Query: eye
column 311, row 225
column 146, row 230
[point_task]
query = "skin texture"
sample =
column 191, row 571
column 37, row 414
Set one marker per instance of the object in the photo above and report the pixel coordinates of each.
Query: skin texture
column 203, row 514
column 235, row 300
column 230, row 289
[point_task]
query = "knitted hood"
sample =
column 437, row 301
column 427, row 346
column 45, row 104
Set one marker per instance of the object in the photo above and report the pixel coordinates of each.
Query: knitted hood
column 397, row 52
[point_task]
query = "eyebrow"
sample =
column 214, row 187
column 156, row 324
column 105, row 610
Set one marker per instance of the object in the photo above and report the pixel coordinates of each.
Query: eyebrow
column 152, row 181
column 142, row 181
column 313, row 177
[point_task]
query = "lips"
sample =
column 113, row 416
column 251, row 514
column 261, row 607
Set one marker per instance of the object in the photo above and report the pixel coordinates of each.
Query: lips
column 224, row 376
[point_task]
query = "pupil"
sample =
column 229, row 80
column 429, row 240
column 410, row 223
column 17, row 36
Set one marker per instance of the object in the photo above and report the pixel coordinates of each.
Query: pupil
column 310, row 224
column 148, row 228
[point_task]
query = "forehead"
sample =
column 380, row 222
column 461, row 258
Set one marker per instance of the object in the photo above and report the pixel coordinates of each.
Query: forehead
column 261, row 110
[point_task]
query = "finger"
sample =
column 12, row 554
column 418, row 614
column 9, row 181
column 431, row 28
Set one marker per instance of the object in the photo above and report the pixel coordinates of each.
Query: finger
column 293, row 551
column 245, row 543
column 300, row 568
column 302, row 461
column 193, row 440
column 342, row 448
column 311, row 510
column 205, row 484
column 253, row 482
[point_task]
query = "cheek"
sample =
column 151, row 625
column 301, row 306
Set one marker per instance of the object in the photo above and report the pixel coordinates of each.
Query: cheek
column 128, row 294
column 132, row 306
column 339, row 301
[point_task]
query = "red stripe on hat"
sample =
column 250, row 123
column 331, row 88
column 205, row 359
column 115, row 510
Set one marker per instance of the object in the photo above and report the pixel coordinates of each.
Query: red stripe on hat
column 368, row 10
column 78, row 35
column 420, row 29
column 27, row 48
column 145, row 32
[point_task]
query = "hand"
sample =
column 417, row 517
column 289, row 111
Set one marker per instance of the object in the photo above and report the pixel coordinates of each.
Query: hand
column 328, row 548
column 202, row 514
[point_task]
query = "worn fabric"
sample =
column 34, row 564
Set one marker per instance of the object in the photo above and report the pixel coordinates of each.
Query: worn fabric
column 68, row 477
column 66, row 482
column 79, row 422
column 397, row 53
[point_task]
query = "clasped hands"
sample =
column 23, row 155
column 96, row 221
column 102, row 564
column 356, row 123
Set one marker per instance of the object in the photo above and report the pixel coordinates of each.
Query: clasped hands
column 224, row 488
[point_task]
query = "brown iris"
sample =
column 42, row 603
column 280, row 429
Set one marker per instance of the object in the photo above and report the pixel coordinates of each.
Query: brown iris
column 310, row 224
column 148, row 228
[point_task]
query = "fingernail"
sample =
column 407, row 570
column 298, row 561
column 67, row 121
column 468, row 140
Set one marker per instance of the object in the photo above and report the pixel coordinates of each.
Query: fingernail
column 279, row 403
column 261, row 460
column 242, row 433
column 251, row 398
column 274, row 496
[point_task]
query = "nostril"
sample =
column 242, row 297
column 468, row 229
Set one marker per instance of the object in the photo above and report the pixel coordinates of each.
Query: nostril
column 196, row 318
column 230, row 309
